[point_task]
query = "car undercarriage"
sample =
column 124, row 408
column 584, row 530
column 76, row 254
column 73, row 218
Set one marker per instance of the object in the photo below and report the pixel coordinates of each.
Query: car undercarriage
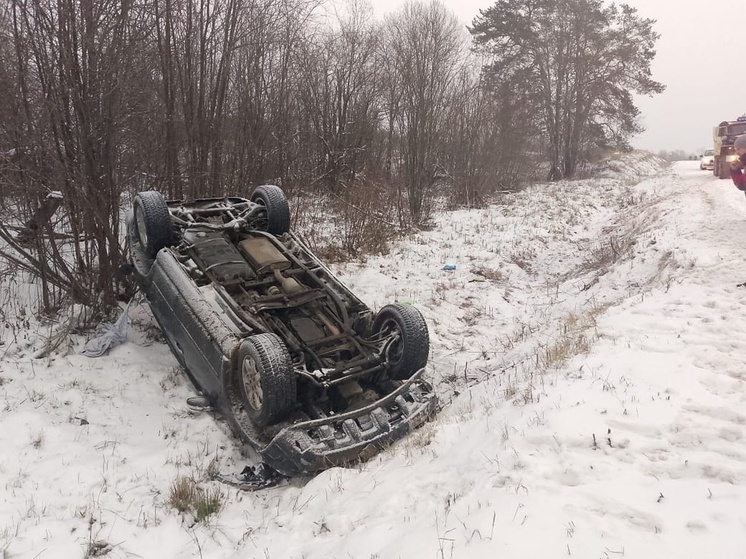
column 300, row 367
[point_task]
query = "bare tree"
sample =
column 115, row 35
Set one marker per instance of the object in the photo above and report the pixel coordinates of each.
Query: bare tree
column 424, row 48
column 70, row 77
column 196, row 44
column 100, row 99
column 267, row 142
column 339, row 95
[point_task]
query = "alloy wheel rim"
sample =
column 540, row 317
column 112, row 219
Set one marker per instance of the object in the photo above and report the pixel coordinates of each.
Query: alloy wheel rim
column 252, row 384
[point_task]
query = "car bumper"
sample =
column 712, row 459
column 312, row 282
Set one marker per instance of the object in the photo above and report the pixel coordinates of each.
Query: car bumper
column 310, row 446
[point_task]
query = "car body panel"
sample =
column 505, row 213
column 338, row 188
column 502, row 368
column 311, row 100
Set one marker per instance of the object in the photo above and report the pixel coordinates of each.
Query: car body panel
column 194, row 331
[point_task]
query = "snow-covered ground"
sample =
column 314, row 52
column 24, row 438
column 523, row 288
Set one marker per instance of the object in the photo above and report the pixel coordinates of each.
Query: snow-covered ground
column 587, row 349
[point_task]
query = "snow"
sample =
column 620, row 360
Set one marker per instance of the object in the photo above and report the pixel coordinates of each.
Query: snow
column 587, row 350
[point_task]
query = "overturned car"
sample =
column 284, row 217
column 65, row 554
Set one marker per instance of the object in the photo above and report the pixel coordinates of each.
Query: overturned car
column 301, row 369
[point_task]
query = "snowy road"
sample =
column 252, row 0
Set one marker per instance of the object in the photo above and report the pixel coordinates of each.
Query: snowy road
column 675, row 359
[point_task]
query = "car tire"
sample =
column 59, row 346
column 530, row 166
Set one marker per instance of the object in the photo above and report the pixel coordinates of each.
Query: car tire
column 266, row 379
column 152, row 222
column 277, row 212
column 409, row 353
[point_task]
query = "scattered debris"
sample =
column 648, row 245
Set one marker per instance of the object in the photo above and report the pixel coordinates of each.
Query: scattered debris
column 108, row 336
column 252, row 478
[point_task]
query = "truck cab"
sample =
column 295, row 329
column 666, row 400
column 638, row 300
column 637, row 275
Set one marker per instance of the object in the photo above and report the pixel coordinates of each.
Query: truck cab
column 724, row 135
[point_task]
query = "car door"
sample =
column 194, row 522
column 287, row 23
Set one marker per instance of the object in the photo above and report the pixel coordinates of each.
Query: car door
column 195, row 332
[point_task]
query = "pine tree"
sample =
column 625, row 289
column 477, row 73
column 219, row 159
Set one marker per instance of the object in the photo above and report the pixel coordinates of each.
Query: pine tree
column 579, row 63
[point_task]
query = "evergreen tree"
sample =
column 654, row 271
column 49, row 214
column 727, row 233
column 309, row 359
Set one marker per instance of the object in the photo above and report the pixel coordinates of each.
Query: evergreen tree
column 579, row 62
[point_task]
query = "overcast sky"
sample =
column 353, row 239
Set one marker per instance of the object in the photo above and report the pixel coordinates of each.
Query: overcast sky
column 697, row 60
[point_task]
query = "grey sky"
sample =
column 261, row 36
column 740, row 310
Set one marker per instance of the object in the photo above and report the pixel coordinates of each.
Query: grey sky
column 697, row 60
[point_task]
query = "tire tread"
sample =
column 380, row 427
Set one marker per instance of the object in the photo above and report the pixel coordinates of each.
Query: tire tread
column 415, row 338
column 277, row 378
column 157, row 221
column 276, row 204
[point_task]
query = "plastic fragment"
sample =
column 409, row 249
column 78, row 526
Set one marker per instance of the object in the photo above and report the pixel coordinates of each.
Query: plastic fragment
column 108, row 336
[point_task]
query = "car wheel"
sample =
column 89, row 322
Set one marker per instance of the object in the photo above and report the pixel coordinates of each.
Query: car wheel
column 266, row 379
column 407, row 354
column 276, row 218
column 152, row 222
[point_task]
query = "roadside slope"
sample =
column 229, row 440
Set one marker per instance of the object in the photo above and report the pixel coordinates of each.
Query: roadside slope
column 587, row 349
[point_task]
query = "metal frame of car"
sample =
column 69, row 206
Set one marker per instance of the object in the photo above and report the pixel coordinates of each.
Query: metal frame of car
column 224, row 289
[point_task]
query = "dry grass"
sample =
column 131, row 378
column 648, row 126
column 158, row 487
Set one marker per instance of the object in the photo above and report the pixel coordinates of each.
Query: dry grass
column 208, row 502
column 183, row 494
column 490, row 274
column 577, row 334
column 619, row 242
column 98, row 548
column 186, row 496
column 522, row 333
column 173, row 378
column 7, row 535
column 58, row 341
column 524, row 259
column 416, row 442
column 441, row 290
column 608, row 252
column 566, row 347
column 511, row 386
column 524, row 382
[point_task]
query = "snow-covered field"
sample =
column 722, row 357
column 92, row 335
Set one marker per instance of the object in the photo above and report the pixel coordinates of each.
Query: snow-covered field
column 587, row 349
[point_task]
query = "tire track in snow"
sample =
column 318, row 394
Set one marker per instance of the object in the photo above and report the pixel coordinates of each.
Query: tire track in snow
column 684, row 357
